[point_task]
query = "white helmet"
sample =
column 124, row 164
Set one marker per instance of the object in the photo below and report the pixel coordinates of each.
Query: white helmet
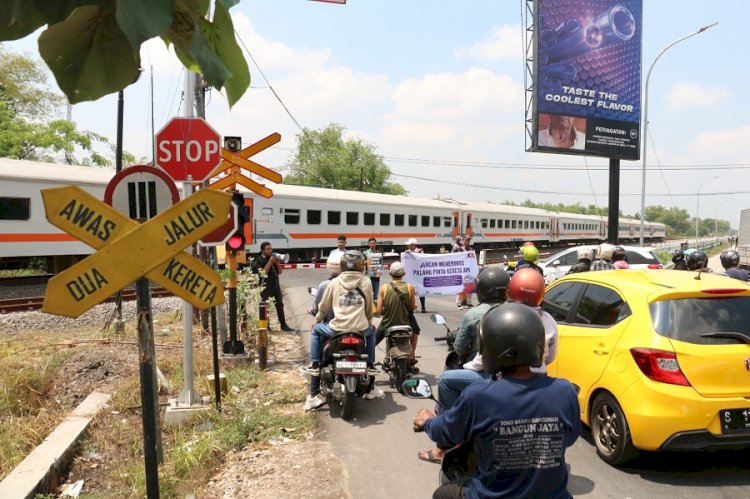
column 333, row 264
column 605, row 251
column 585, row 254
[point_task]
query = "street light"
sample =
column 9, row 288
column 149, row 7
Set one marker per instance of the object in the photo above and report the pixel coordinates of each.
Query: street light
column 698, row 205
column 645, row 119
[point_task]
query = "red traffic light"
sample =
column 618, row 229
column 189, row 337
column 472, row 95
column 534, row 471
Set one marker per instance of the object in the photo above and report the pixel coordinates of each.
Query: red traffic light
column 236, row 242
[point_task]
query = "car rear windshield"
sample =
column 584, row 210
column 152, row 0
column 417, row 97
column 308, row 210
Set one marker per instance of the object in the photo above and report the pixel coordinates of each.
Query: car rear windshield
column 702, row 320
column 635, row 258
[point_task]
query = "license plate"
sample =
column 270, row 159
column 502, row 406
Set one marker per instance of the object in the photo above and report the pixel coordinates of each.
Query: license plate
column 735, row 420
column 351, row 366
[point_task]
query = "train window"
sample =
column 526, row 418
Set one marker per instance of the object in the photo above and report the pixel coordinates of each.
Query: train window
column 334, row 218
column 425, row 220
column 513, row 224
column 484, row 223
column 369, row 218
column 525, row 224
column 446, row 221
column 15, row 208
column 412, row 220
column 352, row 218
column 398, row 220
column 436, row 221
column 492, row 223
column 385, row 219
column 313, row 217
column 536, row 224
column 507, row 224
column 291, row 216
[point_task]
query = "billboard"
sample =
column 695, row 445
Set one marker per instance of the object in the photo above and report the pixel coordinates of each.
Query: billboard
column 587, row 77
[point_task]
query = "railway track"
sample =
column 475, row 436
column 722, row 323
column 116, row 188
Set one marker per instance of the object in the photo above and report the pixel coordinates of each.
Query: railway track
column 35, row 302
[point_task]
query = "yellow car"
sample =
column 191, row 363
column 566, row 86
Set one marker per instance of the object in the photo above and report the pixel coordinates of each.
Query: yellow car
column 662, row 358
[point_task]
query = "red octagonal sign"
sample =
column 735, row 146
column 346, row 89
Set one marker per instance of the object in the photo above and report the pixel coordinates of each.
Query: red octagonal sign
column 188, row 149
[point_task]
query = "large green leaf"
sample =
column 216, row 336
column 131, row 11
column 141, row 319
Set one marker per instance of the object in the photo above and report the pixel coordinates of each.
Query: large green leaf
column 18, row 18
column 220, row 35
column 89, row 54
column 142, row 20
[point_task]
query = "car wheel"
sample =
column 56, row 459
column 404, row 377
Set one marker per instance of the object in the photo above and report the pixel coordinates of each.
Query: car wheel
column 610, row 431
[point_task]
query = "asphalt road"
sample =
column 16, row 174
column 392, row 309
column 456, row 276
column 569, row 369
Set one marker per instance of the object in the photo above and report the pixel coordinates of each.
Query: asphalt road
column 380, row 449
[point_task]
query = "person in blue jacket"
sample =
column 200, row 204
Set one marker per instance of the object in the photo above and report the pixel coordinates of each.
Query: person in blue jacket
column 520, row 425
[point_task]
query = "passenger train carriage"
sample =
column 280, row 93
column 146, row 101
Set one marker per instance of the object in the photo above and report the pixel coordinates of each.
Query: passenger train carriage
column 304, row 221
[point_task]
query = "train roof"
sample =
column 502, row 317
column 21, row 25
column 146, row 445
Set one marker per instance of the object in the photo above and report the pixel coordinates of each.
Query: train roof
column 33, row 171
column 511, row 209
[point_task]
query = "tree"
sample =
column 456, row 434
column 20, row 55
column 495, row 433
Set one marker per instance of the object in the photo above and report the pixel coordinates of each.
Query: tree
column 31, row 127
column 93, row 46
column 676, row 219
column 325, row 159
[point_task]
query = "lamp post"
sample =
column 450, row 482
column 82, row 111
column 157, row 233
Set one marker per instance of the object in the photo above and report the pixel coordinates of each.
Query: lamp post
column 645, row 118
column 698, row 205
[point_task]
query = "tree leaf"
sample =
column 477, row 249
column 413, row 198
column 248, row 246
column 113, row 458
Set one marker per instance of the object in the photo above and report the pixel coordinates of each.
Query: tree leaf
column 220, row 35
column 89, row 54
column 19, row 19
column 142, row 20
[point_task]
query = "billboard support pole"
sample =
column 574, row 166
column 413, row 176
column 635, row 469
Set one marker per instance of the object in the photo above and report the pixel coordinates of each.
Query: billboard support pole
column 613, row 219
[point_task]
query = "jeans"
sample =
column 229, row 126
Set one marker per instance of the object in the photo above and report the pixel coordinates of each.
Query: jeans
column 322, row 331
column 452, row 382
column 375, row 287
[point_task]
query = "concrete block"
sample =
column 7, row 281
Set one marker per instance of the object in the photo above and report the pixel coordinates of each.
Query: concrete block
column 222, row 383
column 39, row 472
column 176, row 414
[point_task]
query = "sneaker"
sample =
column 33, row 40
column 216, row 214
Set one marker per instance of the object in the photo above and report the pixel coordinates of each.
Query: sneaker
column 314, row 401
column 313, row 369
column 372, row 370
column 288, row 329
column 424, row 310
column 375, row 393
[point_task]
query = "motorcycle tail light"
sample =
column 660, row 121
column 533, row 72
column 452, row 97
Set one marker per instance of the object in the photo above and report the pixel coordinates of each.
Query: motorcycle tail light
column 351, row 340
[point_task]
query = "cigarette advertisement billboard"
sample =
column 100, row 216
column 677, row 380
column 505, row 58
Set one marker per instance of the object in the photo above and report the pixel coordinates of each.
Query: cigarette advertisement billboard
column 587, row 77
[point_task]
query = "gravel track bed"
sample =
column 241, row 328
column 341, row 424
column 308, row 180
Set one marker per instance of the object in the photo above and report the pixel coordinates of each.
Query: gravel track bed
column 98, row 316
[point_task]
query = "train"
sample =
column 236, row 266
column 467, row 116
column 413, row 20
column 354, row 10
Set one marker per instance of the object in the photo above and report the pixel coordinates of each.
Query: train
column 304, row 222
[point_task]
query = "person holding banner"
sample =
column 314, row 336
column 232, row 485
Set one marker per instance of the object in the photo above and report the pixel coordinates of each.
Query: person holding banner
column 374, row 265
column 411, row 247
column 463, row 244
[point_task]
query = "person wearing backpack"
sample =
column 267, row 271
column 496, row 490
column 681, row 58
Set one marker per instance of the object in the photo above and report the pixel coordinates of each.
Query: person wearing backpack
column 396, row 305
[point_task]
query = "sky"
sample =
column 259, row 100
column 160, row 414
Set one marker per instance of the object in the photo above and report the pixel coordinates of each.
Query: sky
column 438, row 88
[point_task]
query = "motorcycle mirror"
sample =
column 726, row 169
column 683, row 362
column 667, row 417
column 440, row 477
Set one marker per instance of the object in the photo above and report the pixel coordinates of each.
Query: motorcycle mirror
column 438, row 319
column 312, row 291
column 417, row 388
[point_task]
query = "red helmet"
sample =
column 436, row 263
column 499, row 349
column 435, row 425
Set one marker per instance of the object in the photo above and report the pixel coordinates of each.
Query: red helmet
column 527, row 287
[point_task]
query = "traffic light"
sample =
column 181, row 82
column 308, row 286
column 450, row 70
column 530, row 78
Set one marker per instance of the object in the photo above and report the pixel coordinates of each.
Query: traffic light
column 236, row 241
column 233, row 144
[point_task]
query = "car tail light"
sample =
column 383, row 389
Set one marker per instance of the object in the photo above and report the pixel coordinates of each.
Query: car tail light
column 655, row 266
column 351, row 340
column 723, row 291
column 659, row 365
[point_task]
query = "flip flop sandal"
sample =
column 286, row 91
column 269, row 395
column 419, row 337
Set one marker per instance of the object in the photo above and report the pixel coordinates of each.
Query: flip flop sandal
column 430, row 457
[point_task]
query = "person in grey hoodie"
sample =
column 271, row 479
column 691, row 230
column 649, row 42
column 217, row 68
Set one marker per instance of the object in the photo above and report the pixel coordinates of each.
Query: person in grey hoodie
column 350, row 297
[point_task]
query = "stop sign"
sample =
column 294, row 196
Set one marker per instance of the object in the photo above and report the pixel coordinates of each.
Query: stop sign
column 188, row 149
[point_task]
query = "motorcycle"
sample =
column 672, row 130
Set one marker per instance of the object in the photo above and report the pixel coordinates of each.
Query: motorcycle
column 398, row 354
column 343, row 369
column 459, row 461
column 452, row 360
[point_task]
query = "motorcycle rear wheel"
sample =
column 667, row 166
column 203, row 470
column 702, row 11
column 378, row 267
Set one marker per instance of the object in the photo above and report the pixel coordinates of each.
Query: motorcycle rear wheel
column 402, row 372
column 347, row 404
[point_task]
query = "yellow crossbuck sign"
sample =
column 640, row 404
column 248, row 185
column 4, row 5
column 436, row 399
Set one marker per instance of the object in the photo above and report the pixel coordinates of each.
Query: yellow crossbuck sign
column 129, row 250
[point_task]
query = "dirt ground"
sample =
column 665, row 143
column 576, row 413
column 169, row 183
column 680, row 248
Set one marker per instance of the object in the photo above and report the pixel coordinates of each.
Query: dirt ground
column 302, row 466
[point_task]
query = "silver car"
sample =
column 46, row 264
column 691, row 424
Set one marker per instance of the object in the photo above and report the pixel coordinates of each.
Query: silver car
column 559, row 264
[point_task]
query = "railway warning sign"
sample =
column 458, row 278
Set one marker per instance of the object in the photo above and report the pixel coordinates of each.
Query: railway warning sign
column 188, row 149
column 234, row 162
column 141, row 192
column 128, row 250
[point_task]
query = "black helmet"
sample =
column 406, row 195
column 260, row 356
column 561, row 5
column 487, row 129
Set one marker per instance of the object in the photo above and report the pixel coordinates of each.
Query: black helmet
column 492, row 284
column 697, row 260
column 677, row 256
column 352, row 260
column 619, row 254
column 729, row 258
column 511, row 335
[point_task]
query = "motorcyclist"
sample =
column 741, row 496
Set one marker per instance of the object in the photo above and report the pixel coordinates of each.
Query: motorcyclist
column 333, row 264
column 678, row 258
column 620, row 258
column 530, row 255
column 492, row 285
column 730, row 260
column 585, row 255
column 396, row 305
column 603, row 255
column 513, row 423
column 350, row 297
column 698, row 260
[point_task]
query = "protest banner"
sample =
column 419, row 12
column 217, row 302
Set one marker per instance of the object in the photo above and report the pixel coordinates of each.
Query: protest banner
column 442, row 274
